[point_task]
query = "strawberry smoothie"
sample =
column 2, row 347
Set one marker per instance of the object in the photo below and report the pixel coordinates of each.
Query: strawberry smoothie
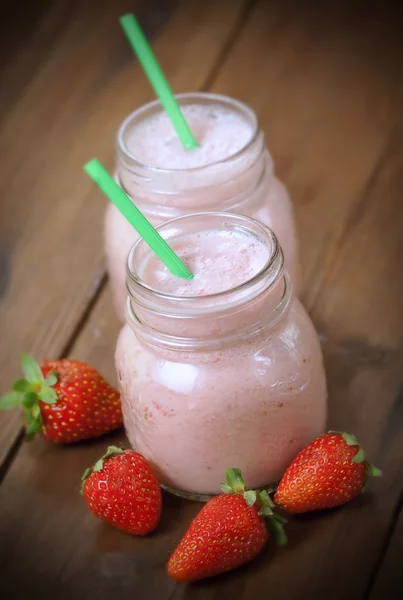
column 224, row 370
column 231, row 170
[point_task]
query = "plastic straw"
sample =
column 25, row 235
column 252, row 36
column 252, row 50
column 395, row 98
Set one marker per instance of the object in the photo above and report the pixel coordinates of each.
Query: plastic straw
column 142, row 49
column 136, row 218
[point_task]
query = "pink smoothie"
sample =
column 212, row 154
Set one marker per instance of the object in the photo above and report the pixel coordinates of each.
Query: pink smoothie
column 219, row 261
column 231, row 171
column 251, row 396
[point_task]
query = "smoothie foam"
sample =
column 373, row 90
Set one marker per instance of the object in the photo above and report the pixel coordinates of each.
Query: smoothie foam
column 219, row 132
column 219, row 261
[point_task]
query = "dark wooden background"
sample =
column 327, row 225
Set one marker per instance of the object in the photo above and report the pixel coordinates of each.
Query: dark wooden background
column 326, row 81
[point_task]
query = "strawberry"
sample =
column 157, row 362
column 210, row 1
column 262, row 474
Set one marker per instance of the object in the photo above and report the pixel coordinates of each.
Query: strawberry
column 65, row 399
column 328, row 472
column 228, row 532
column 122, row 490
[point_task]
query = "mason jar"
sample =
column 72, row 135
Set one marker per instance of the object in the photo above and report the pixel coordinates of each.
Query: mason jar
column 231, row 171
column 216, row 380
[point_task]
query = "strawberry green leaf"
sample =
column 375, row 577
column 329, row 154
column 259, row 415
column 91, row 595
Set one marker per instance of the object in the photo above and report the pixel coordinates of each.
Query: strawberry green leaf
column 280, row 518
column 250, row 497
column 21, row 385
column 29, row 399
column 374, row 471
column 31, row 369
column 10, row 401
column 265, row 511
column 84, row 476
column 235, row 481
column 52, row 378
column 265, row 499
column 226, row 488
column 359, row 457
column 350, row 440
column 276, row 530
column 98, row 465
column 48, row 395
column 111, row 451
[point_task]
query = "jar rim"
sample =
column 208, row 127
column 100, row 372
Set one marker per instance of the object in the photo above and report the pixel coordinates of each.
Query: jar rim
column 209, row 343
column 275, row 259
column 217, row 98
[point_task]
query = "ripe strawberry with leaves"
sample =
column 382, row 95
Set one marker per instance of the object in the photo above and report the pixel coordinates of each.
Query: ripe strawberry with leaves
column 66, row 400
column 328, row 472
column 228, row 532
column 122, row 490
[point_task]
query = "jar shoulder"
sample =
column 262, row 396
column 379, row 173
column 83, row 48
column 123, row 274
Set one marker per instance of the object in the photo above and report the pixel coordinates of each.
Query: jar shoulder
column 290, row 352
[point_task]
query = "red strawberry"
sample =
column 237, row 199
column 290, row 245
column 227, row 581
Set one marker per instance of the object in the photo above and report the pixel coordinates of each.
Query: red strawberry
column 328, row 472
column 65, row 399
column 228, row 532
column 122, row 490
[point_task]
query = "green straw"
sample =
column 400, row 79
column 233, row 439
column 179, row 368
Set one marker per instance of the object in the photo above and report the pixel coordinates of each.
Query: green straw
column 136, row 218
column 142, row 49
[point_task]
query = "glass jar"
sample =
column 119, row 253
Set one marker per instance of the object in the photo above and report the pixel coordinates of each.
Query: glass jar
column 233, row 379
column 242, row 182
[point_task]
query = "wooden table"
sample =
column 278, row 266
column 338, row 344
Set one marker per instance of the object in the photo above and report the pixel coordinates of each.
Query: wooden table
column 326, row 82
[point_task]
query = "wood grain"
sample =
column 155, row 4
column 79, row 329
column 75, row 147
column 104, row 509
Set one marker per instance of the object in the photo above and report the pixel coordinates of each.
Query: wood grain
column 51, row 223
column 326, row 105
column 327, row 553
column 389, row 581
column 326, row 83
column 96, row 559
column 28, row 32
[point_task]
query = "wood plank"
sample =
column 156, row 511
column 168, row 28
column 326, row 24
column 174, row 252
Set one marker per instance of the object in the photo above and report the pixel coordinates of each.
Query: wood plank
column 19, row 23
column 43, row 229
column 51, row 225
column 84, row 555
column 97, row 559
column 27, row 33
column 344, row 167
column 100, row 559
column 326, row 105
column 389, row 582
